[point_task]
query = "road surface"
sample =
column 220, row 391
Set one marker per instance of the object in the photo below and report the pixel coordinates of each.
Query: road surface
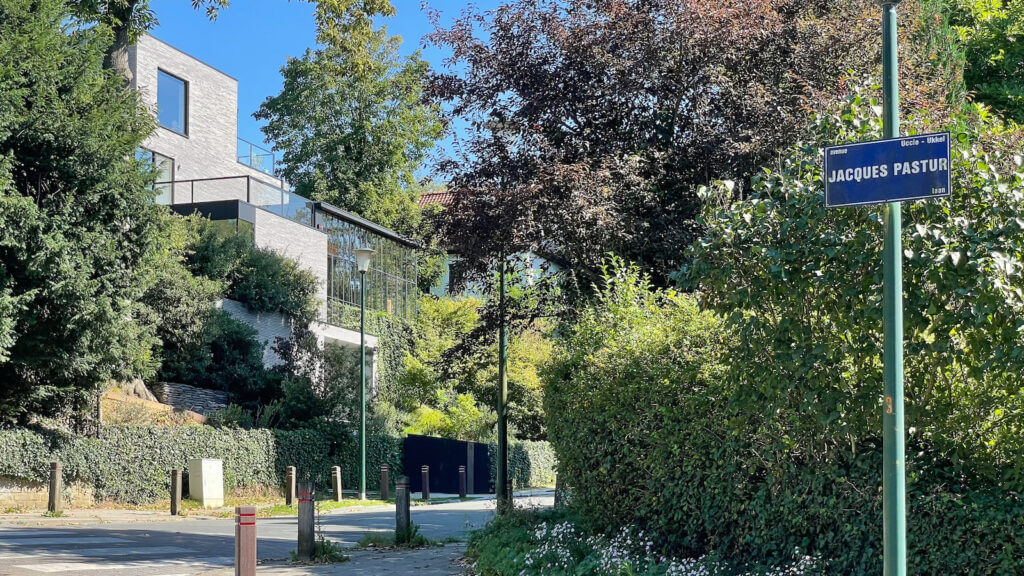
column 200, row 545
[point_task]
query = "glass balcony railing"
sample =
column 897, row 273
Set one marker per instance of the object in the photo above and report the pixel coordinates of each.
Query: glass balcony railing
column 245, row 188
column 256, row 157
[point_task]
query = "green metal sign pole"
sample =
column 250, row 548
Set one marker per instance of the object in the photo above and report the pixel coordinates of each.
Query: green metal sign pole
column 894, row 490
column 502, row 475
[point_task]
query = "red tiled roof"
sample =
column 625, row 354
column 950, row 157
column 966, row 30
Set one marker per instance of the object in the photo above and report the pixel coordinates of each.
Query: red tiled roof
column 442, row 197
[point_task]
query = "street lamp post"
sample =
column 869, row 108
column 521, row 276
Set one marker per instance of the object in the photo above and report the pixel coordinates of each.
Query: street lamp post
column 363, row 256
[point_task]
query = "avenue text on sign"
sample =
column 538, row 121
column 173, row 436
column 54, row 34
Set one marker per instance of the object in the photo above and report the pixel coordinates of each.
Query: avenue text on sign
column 894, row 170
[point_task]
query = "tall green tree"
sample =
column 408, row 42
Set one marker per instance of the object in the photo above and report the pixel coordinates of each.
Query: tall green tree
column 77, row 221
column 353, row 127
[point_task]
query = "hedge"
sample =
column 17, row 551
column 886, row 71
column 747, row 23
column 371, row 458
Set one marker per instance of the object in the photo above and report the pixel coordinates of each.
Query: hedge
column 131, row 464
column 649, row 434
column 530, row 464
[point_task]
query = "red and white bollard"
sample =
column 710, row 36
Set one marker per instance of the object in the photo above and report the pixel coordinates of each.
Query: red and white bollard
column 245, row 541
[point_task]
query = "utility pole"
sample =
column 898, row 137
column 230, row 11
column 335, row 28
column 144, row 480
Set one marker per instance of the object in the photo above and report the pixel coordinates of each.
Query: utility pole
column 502, row 475
column 894, row 489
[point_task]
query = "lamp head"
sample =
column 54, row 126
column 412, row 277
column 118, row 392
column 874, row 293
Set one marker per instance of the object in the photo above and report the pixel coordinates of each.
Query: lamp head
column 363, row 256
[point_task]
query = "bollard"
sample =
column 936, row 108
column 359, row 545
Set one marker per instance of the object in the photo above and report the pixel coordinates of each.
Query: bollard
column 245, row 541
column 175, row 492
column 56, row 501
column 306, row 520
column 425, row 471
column 462, row 481
column 289, row 486
column 402, row 510
column 385, row 489
column 336, row 483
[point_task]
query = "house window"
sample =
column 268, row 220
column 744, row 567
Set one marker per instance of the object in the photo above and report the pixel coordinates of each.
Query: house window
column 163, row 166
column 172, row 102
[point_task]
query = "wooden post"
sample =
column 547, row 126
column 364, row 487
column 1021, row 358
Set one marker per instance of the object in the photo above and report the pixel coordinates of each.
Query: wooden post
column 245, row 541
column 289, row 486
column 306, row 521
column 462, row 481
column 336, row 483
column 175, row 492
column 402, row 518
column 385, row 481
column 56, row 501
column 425, row 475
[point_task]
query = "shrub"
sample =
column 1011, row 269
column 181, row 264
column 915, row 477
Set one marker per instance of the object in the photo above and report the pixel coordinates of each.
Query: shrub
column 226, row 356
column 756, row 434
column 262, row 279
column 132, row 464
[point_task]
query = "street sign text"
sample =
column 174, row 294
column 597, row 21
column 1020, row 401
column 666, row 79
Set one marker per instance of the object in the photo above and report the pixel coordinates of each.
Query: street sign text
column 892, row 170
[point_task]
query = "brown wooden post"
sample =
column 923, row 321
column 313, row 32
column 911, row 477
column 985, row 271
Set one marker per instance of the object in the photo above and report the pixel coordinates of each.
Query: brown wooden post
column 462, row 481
column 402, row 518
column 425, row 475
column 245, row 541
column 175, row 492
column 56, row 501
column 306, row 521
column 289, row 486
column 385, row 482
column 336, row 483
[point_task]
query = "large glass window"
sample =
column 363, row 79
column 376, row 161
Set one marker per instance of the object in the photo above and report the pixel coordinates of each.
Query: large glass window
column 390, row 282
column 172, row 102
column 164, row 168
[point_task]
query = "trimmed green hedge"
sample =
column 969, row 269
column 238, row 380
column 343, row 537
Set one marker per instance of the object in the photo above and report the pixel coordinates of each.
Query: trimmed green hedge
column 131, row 464
column 530, row 464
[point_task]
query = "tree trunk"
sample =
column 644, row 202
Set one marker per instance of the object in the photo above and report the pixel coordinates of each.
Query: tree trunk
column 120, row 19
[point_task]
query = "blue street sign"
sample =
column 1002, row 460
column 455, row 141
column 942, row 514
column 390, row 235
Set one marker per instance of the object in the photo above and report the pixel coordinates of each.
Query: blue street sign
column 891, row 170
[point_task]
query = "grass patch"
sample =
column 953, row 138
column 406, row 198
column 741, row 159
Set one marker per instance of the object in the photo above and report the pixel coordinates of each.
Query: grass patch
column 323, row 505
column 53, row 514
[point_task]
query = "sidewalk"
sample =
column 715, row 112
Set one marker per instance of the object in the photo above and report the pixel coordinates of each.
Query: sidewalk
column 433, row 561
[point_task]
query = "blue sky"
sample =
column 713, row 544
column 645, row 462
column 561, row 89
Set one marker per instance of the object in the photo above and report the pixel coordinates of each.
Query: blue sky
column 252, row 39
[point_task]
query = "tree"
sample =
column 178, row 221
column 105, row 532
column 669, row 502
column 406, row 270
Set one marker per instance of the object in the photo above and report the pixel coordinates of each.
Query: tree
column 127, row 19
column 438, row 376
column 801, row 287
column 336, row 20
column 992, row 33
column 77, row 220
column 592, row 123
column 353, row 128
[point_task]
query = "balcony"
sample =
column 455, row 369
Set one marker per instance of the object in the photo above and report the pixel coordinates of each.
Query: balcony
column 243, row 188
column 256, row 157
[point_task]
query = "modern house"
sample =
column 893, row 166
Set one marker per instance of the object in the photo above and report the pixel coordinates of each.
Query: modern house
column 204, row 167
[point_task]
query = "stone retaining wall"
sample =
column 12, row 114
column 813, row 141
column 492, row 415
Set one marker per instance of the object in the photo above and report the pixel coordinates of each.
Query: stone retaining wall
column 20, row 495
column 185, row 397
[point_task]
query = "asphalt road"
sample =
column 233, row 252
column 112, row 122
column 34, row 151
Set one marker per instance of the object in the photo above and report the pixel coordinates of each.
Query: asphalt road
column 198, row 545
